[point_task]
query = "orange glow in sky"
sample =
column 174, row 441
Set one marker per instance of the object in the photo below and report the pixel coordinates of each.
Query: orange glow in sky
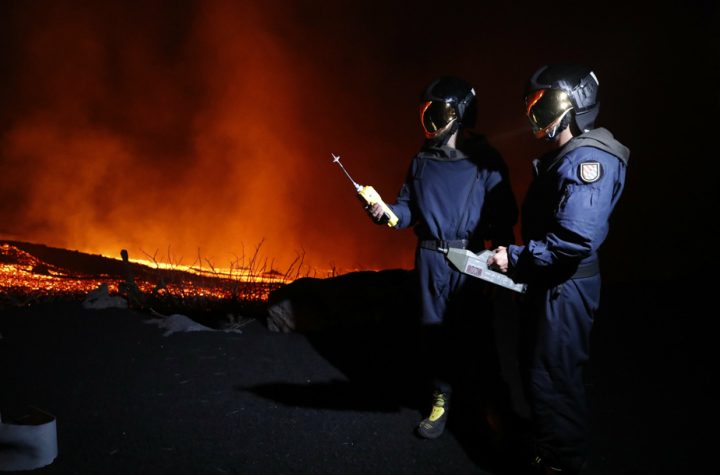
column 205, row 128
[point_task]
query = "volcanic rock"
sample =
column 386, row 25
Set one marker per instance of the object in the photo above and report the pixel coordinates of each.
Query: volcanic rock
column 386, row 297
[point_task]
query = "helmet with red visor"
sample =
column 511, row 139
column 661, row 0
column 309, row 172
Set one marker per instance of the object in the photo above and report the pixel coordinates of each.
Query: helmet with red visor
column 562, row 95
column 446, row 104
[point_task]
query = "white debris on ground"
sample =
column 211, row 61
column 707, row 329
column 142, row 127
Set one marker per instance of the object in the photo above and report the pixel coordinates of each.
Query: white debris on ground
column 178, row 323
column 100, row 298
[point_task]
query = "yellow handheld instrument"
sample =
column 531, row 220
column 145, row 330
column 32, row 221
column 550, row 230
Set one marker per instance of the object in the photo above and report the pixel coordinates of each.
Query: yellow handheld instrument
column 369, row 195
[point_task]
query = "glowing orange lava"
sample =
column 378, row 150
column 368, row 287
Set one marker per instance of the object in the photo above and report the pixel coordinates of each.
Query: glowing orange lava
column 25, row 278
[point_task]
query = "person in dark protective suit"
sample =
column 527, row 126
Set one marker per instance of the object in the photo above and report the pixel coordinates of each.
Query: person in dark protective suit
column 456, row 194
column 564, row 219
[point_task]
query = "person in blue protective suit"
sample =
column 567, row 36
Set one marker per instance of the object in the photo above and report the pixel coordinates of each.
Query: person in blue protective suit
column 564, row 218
column 456, row 194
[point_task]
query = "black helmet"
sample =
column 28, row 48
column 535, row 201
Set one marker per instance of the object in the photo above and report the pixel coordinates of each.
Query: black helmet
column 558, row 94
column 447, row 104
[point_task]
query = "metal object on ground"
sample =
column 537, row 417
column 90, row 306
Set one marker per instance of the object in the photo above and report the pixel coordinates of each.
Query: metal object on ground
column 28, row 442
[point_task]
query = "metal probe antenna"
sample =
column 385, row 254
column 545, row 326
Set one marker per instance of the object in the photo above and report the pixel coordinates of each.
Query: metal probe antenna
column 336, row 159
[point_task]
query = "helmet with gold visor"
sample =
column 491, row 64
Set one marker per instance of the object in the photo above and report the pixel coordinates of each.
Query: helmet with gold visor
column 446, row 104
column 562, row 95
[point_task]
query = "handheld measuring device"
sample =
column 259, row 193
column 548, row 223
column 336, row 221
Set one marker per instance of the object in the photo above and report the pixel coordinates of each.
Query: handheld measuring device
column 475, row 265
column 369, row 195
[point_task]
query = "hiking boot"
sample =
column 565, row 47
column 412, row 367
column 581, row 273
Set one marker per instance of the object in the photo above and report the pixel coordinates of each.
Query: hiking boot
column 433, row 426
column 544, row 468
column 547, row 469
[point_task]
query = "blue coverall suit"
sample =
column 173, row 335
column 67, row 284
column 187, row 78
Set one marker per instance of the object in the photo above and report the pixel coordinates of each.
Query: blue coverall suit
column 564, row 221
column 459, row 198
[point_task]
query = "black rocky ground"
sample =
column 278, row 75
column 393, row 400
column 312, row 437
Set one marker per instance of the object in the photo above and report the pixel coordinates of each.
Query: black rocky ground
column 129, row 400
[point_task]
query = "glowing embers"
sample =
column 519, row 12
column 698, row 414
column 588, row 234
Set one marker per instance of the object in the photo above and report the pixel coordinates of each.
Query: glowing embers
column 25, row 278
column 22, row 273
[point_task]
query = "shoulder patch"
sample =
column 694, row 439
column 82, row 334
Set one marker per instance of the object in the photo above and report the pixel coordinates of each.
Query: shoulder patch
column 590, row 171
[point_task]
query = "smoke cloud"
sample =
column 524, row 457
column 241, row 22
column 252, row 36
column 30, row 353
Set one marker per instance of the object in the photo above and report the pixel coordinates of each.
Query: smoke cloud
column 190, row 130
column 206, row 127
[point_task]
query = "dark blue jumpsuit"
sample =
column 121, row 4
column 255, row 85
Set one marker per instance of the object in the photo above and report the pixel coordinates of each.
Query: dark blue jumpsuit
column 564, row 221
column 451, row 195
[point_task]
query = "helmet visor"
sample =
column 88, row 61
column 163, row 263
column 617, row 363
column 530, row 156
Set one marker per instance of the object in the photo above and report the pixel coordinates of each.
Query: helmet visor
column 436, row 117
column 546, row 107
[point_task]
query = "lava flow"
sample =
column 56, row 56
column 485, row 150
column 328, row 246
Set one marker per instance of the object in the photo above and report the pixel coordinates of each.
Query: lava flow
column 26, row 278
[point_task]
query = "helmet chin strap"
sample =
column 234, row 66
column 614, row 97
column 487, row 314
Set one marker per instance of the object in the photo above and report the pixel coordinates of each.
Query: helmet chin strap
column 564, row 123
column 443, row 139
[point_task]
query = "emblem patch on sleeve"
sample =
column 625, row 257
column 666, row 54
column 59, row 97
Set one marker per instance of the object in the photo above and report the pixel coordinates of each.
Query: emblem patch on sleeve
column 590, row 171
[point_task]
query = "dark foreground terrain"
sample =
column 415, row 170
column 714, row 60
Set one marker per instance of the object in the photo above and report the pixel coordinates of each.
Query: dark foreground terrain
column 130, row 400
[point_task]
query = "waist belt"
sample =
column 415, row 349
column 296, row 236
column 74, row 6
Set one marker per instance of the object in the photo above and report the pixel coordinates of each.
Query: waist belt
column 587, row 270
column 440, row 245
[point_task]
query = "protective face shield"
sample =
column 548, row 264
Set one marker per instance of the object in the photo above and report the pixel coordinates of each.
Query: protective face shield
column 559, row 95
column 546, row 110
column 447, row 104
column 437, row 117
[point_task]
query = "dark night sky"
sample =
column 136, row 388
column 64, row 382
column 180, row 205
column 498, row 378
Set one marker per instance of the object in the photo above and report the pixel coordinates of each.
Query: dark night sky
column 206, row 127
